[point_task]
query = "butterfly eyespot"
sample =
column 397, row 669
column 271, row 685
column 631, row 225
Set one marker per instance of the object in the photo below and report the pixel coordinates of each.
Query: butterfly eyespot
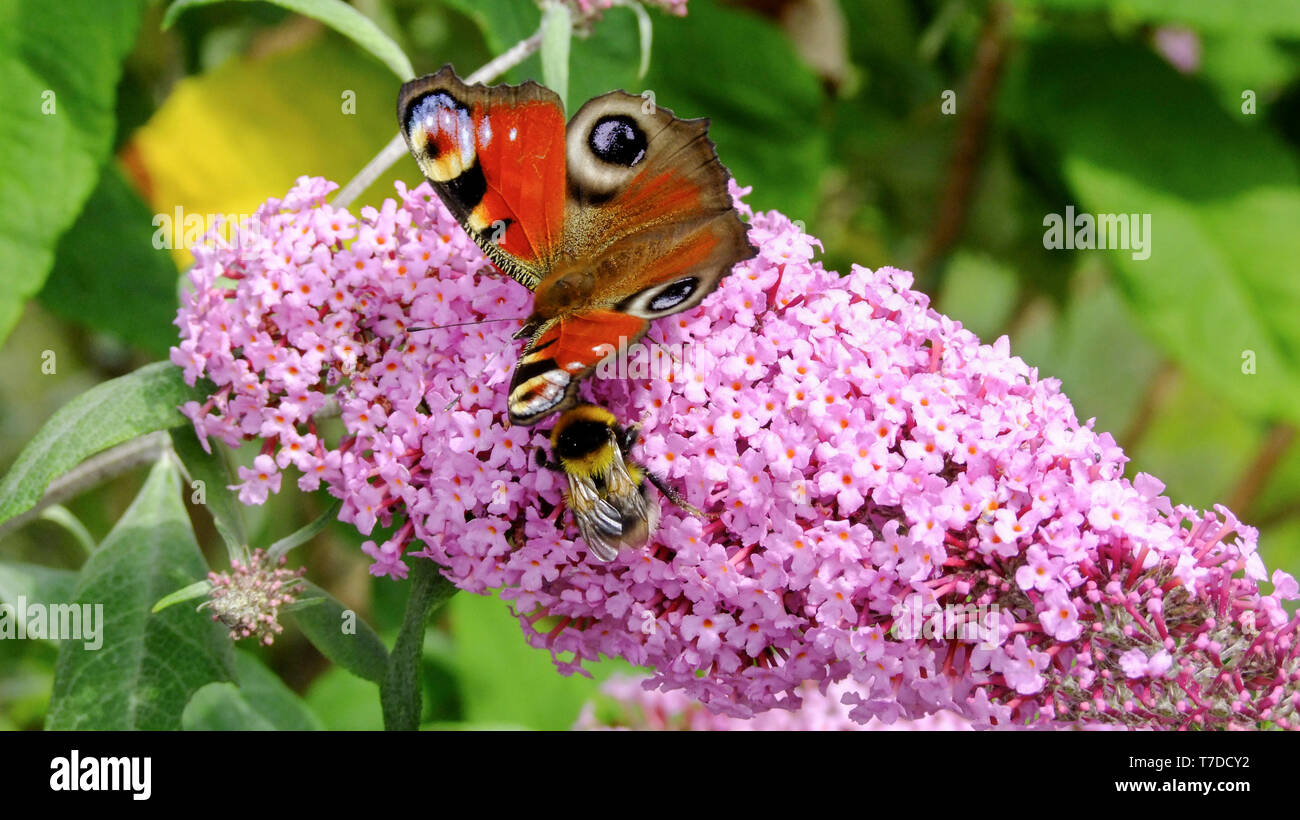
column 432, row 114
column 618, row 140
column 674, row 294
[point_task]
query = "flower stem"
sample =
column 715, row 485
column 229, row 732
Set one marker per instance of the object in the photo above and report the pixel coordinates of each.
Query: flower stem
column 507, row 60
column 1269, row 455
column 374, row 169
column 399, row 694
column 1160, row 386
column 968, row 147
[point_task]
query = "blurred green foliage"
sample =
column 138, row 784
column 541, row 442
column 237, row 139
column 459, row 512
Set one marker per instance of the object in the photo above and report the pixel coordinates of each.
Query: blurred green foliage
column 833, row 111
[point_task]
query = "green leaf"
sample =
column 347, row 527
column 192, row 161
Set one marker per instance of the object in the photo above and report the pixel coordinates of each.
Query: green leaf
column 102, row 417
column 186, row 593
column 337, row 15
column 261, row 701
column 359, row 651
column 34, row 583
column 503, row 22
column 345, row 702
column 222, row 707
column 1277, row 17
column 732, row 66
column 281, row 548
column 400, row 691
column 978, row 291
column 504, row 680
column 149, row 665
column 217, row 497
column 1200, row 447
column 1093, row 347
column 304, row 603
column 59, row 67
column 61, row 515
column 1223, row 199
column 557, row 32
column 109, row 276
column 1234, row 62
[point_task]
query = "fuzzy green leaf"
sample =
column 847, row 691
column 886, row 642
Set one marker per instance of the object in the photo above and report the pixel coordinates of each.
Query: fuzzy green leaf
column 102, row 417
column 337, row 15
column 148, row 665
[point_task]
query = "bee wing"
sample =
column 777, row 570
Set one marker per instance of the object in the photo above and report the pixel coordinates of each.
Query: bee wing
column 627, row 495
column 618, row 516
column 599, row 521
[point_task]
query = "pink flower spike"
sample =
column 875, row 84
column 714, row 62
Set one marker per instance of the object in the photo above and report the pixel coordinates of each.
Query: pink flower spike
column 897, row 514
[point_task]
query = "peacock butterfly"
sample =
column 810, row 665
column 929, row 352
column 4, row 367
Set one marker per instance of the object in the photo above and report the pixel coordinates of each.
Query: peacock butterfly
column 619, row 218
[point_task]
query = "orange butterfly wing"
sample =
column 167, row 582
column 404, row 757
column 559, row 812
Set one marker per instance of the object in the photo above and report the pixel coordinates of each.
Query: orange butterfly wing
column 496, row 158
column 562, row 354
column 619, row 218
column 650, row 230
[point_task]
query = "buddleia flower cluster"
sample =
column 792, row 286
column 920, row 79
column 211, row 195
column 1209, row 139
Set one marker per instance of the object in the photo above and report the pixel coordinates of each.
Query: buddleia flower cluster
column 248, row 598
column 626, row 704
column 893, row 505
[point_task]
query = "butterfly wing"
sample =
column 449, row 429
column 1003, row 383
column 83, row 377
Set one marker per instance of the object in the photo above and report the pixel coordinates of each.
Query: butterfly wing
column 495, row 156
column 649, row 201
column 561, row 355
column 651, row 228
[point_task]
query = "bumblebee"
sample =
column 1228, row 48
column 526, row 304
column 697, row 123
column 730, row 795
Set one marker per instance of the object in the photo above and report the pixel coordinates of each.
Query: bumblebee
column 607, row 489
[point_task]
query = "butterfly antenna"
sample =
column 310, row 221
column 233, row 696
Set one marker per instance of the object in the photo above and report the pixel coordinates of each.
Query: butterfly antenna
column 664, row 350
column 461, row 324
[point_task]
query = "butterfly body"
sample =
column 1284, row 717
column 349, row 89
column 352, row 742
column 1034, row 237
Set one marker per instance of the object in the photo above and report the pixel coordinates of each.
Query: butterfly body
column 618, row 218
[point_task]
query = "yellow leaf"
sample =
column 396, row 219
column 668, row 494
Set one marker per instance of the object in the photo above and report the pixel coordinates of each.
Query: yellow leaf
column 224, row 142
